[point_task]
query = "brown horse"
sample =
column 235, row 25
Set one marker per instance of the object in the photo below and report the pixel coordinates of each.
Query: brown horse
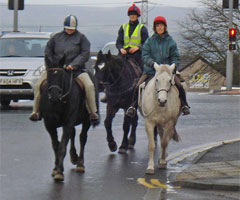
column 120, row 77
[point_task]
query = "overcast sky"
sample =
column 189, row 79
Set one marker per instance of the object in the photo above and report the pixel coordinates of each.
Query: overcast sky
column 177, row 3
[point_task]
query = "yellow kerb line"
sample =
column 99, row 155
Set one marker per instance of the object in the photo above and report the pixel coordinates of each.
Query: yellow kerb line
column 155, row 184
column 143, row 182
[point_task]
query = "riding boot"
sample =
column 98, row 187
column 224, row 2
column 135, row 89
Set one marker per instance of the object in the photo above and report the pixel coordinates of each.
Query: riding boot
column 90, row 97
column 131, row 111
column 35, row 115
column 182, row 96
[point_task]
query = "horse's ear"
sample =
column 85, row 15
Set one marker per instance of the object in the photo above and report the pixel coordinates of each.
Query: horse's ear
column 109, row 55
column 99, row 55
column 156, row 66
column 172, row 67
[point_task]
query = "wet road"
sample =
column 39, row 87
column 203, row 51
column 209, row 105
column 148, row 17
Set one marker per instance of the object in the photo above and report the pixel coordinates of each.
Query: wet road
column 27, row 157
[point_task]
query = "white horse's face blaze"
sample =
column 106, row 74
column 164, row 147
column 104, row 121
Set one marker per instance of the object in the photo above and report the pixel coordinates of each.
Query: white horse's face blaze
column 162, row 86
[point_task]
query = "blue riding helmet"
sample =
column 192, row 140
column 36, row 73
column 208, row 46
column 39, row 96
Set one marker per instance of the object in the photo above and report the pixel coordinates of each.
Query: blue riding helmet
column 70, row 22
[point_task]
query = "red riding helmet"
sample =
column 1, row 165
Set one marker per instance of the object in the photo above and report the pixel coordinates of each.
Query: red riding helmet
column 158, row 20
column 134, row 10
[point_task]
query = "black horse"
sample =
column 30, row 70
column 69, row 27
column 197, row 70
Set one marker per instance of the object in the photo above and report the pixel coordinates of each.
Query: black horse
column 62, row 104
column 120, row 76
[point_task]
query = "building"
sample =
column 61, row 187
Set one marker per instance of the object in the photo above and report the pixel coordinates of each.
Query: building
column 201, row 76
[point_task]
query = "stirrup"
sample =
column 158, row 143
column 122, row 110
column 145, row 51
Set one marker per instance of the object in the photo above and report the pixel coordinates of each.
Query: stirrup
column 131, row 111
column 185, row 110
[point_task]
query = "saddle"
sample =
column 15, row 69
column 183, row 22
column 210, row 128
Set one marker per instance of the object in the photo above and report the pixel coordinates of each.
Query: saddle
column 137, row 69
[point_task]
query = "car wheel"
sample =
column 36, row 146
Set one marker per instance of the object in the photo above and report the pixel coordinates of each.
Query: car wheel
column 5, row 102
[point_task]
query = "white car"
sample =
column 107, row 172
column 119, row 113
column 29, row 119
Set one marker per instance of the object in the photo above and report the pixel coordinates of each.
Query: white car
column 21, row 64
column 110, row 46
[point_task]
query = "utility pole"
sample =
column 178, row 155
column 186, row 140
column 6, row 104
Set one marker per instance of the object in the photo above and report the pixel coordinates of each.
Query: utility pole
column 15, row 17
column 15, row 5
column 229, row 67
column 144, row 12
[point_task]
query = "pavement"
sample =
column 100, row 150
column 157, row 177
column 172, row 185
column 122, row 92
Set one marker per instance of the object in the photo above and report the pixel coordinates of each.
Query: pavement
column 217, row 168
column 234, row 91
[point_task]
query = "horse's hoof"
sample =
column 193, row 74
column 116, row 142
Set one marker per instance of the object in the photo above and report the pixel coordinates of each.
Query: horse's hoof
column 54, row 172
column 131, row 146
column 162, row 166
column 112, row 146
column 59, row 177
column 74, row 159
column 176, row 137
column 149, row 171
column 122, row 150
column 80, row 169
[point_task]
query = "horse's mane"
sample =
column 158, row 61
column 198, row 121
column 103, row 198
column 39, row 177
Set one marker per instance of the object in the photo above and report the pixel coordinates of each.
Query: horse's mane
column 124, row 84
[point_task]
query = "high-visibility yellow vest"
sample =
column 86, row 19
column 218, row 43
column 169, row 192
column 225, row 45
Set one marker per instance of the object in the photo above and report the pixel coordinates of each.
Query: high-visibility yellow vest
column 135, row 39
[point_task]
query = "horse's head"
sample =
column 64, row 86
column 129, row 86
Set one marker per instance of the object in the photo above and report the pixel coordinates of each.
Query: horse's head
column 100, row 66
column 55, row 78
column 107, row 67
column 164, row 79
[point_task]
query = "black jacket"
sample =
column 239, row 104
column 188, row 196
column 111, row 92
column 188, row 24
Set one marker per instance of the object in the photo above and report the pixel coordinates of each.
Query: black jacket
column 75, row 49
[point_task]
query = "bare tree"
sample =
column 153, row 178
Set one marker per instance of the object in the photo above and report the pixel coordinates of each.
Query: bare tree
column 205, row 31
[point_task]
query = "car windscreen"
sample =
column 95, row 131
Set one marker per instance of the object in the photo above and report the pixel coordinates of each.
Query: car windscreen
column 112, row 47
column 22, row 47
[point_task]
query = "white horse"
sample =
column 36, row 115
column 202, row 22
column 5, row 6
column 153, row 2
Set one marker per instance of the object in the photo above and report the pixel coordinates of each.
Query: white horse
column 160, row 106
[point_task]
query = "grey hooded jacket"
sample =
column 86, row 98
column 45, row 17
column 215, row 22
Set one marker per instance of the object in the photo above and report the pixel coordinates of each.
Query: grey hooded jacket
column 75, row 48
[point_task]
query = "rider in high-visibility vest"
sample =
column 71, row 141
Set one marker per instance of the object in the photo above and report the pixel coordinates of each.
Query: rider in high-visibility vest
column 131, row 37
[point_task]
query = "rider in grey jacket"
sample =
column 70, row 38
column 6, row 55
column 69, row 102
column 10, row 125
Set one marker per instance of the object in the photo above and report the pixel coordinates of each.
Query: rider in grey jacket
column 75, row 48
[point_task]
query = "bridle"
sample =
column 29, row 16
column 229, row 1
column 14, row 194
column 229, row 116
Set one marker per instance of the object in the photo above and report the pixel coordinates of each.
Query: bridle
column 62, row 96
column 166, row 90
column 157, row 91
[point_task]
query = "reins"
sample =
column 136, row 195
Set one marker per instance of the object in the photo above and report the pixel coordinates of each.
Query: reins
column 70, row 86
